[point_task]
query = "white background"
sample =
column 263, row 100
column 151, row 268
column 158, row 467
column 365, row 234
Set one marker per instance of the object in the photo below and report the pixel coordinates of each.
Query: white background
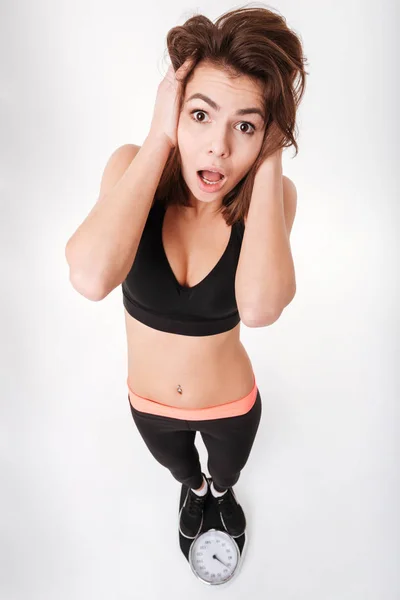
column 320, row 492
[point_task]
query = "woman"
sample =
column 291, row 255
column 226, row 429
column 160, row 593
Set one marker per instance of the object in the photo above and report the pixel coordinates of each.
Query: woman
column 195, row 225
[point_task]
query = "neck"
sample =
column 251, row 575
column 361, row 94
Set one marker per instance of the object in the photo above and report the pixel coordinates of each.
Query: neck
column 202, row 211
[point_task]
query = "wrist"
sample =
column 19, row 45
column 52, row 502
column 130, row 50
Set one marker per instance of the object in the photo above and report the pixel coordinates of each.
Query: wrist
column 159, row 140
column 269, row 168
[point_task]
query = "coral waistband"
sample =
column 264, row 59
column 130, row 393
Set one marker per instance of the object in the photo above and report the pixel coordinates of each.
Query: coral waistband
column 229, row 409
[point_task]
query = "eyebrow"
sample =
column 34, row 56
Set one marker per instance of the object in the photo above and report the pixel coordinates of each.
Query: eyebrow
column 214, row 105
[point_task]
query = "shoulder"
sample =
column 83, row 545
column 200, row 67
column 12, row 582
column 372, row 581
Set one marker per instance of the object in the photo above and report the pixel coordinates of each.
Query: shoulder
column 289, row 202
column 289, row 189
column 116, row 165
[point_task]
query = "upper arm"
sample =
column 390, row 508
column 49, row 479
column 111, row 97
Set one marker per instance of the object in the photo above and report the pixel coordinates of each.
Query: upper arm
column 116, row 166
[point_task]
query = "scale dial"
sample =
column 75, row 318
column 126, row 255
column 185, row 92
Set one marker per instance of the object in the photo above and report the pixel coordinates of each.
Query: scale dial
column 214, row 556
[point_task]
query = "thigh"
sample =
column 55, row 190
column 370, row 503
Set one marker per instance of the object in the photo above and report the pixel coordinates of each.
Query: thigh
column 169, row 440
column 229, row 440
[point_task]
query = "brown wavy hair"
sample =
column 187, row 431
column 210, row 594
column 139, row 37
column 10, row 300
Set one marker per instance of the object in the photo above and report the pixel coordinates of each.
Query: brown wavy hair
column 250, row 41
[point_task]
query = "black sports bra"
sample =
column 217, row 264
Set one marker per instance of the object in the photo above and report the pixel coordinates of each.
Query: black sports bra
column 152, row 294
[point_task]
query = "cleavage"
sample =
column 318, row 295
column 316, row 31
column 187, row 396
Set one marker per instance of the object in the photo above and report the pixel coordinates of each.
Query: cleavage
column 193, row 251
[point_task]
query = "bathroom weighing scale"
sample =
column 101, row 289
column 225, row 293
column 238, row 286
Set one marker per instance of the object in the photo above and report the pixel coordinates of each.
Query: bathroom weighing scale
column 214, row 556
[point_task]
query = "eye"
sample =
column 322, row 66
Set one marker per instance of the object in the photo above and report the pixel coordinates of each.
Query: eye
column 199, row 110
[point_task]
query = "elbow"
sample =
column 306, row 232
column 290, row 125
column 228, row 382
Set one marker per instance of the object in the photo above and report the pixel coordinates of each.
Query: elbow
column 261, row 321
column 86, row 282
column 85, row 288
column 267, row 317
column 81, row 283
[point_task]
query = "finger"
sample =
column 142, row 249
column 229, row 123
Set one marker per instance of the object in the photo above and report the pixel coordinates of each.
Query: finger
column 184, row 67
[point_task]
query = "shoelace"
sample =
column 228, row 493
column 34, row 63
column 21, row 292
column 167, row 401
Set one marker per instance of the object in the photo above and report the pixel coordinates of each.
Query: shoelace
column 195, row 503
column 227, row 503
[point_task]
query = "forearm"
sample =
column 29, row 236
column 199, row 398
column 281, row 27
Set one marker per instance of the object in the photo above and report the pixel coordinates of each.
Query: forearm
column 102, row 250
column 265, row 277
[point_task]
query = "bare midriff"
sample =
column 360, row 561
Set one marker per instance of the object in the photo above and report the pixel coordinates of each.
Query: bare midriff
column 209, row 370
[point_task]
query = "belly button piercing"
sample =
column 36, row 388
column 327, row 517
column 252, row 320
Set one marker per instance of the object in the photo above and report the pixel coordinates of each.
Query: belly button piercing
column 179, row 389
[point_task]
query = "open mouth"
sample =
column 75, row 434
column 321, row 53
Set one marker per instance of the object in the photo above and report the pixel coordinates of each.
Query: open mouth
column 208, row 184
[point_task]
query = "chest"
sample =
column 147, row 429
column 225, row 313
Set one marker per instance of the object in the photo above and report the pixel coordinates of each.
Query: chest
column 193, row 251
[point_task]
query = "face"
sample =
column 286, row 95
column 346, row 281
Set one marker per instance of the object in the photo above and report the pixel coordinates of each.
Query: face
column 212, row 131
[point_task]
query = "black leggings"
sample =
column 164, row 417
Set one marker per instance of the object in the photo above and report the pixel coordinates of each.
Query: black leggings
column 228, row 441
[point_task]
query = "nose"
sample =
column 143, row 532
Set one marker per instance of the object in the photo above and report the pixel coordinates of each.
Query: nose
column 219, row 142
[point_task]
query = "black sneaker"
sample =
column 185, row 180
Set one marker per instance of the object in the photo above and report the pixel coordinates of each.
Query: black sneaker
column 231, row 513
column 191, row 513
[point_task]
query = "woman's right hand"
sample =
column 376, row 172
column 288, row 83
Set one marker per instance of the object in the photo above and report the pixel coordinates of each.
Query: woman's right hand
column 165, row 116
